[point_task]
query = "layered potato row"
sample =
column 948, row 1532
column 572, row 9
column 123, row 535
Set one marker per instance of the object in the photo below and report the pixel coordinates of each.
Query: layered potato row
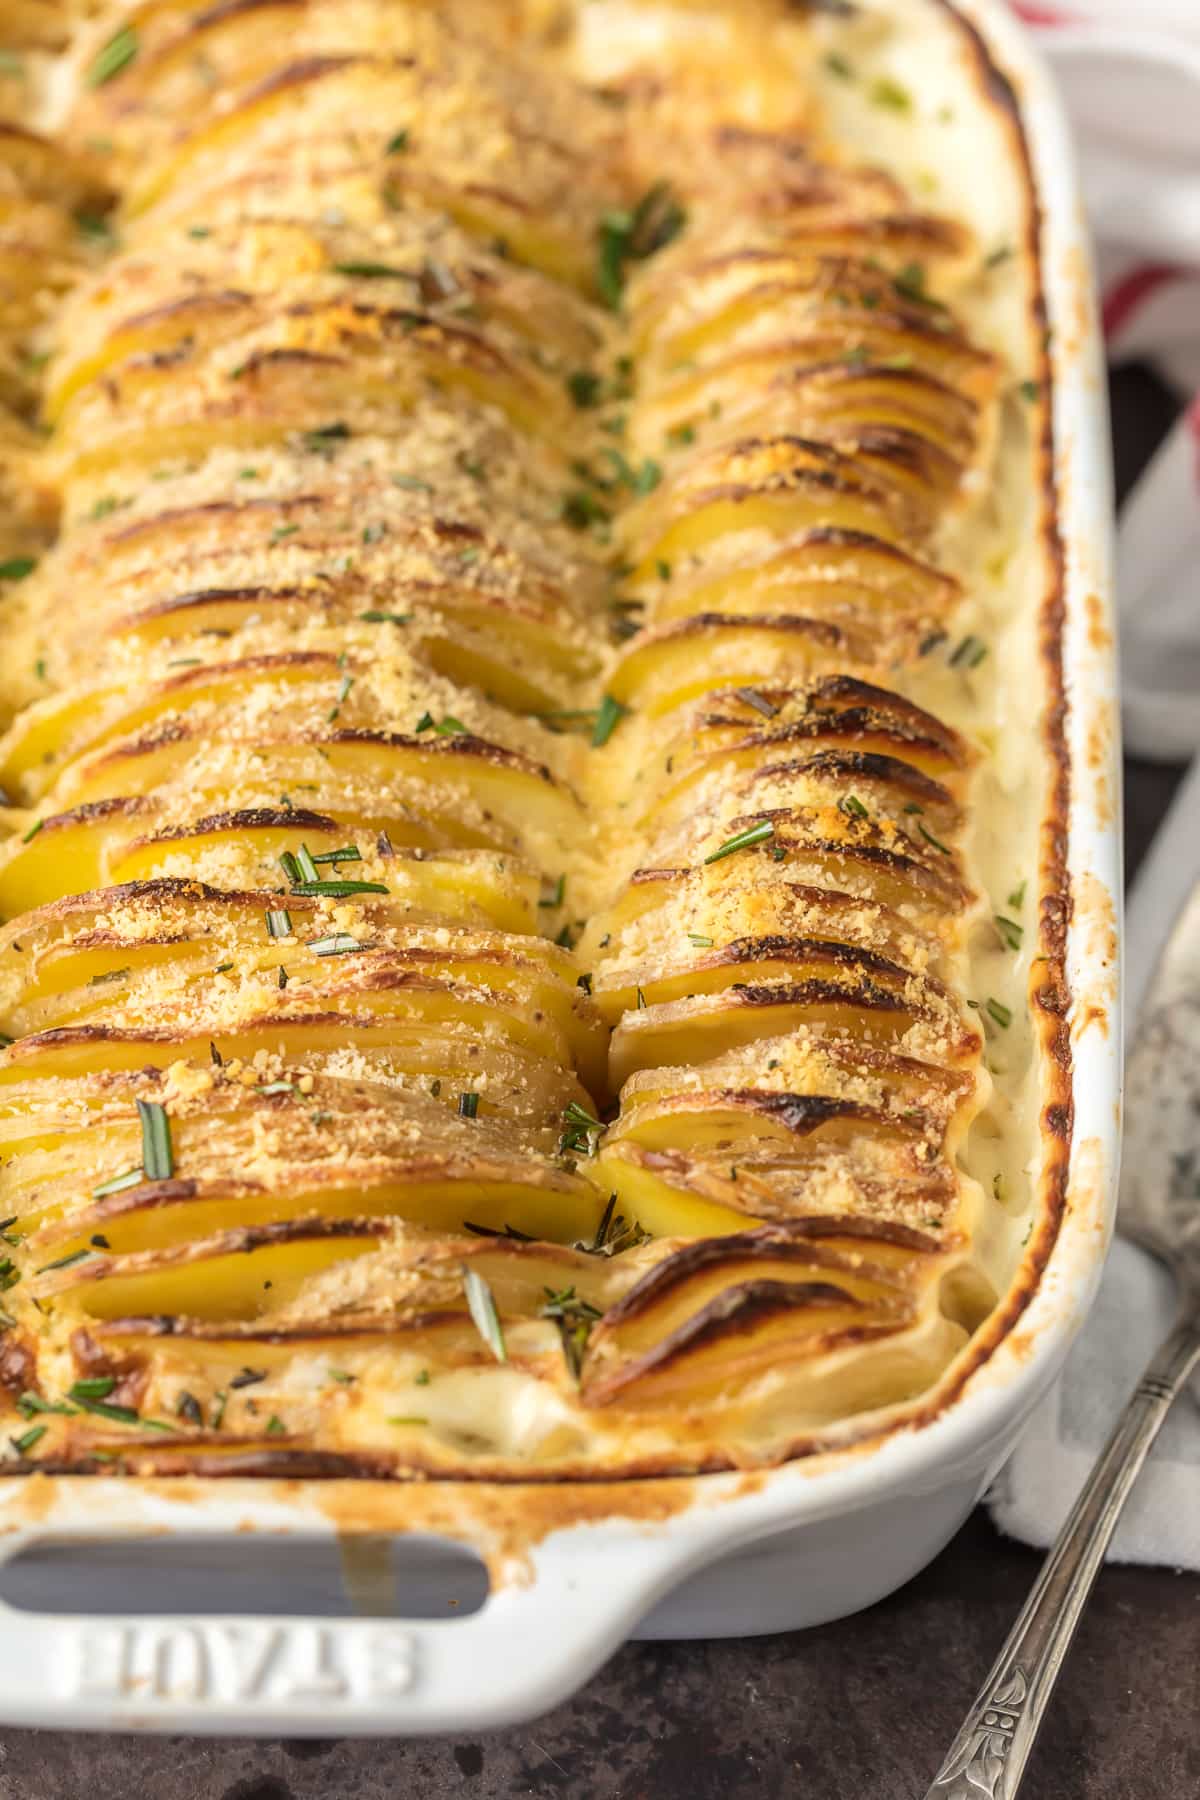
column 486, row 915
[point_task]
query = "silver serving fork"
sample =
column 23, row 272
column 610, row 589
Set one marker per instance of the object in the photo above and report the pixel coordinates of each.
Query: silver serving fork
column 1160, row 1208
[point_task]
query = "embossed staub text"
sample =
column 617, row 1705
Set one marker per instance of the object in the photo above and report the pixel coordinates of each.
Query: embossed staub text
column 235, row 1663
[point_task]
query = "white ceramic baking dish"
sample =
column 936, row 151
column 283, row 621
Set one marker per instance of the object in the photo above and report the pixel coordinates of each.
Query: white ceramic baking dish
column 576, row 1568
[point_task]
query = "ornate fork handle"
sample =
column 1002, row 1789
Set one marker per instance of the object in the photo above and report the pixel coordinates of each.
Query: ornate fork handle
column 988, row 1757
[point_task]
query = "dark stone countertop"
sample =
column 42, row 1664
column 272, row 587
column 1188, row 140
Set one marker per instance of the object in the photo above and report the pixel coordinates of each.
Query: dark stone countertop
column 862, row 1709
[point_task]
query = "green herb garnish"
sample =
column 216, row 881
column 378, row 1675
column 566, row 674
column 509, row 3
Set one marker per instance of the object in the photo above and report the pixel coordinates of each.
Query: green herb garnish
column 608, row 717
column 118, row 1183
column 889, row 93
column 337, row 943
column 158, row 1157
column 626, row 237
column 1010, row 931
column 574, row 1318
column 969, row 654
column 117, row 54
column 742, row 840
column 482, row 1308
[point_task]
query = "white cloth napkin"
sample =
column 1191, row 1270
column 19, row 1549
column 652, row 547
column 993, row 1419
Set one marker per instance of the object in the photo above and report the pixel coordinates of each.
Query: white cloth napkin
column 1134, row 99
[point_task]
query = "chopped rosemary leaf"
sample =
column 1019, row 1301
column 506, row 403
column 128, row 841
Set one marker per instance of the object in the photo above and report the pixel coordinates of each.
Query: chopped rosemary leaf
column 1029, row 390
column 110, row 975
column 158, row 1158
column 484, row 1315
column 468, row 1106
column 605, row 1225
column 372, row 271
column 282, row 976
column 584, row 388
column 247, row 1377
column 120, row 1415
column 397, row 142
column 700, row 939
column 555, row 896
column 852, row 806
column 33, row 831
column 336, row 943
column 386, row 618
column 339, row 890
column 1001, row 1014
column 221, row 1401
column 837, row 65
column 581, row 510
column 608, row 717
column 742, row 840
column 290, row 866
column 633, row 236
column 25, row 1443
column 930, row 839
column 641, row 998
column 574, row 1318
column 1010, row 931
column 279, row 923
column 93, row 1387
column 505, row 1231
column 275, row 1426
column 118, row 1183
column 889, row 93
column 30, row 1403
column 758, row 701
column 344, row 853
column 1001, row 254
column 969, row 654
column 320, row 435
column 344, row 686
column 63, row 1262
column 306, row 867
column 117, row 54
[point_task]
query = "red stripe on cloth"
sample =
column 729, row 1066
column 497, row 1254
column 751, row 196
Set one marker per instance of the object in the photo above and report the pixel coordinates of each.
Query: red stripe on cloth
column 1041, row 15
column 1193, row 419
column 1126, row 297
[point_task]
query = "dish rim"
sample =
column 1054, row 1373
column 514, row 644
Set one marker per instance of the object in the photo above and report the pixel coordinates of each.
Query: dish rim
column 623, row 1543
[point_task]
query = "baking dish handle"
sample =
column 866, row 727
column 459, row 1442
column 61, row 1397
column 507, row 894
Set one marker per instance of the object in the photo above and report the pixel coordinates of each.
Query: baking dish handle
column 530, row 1645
